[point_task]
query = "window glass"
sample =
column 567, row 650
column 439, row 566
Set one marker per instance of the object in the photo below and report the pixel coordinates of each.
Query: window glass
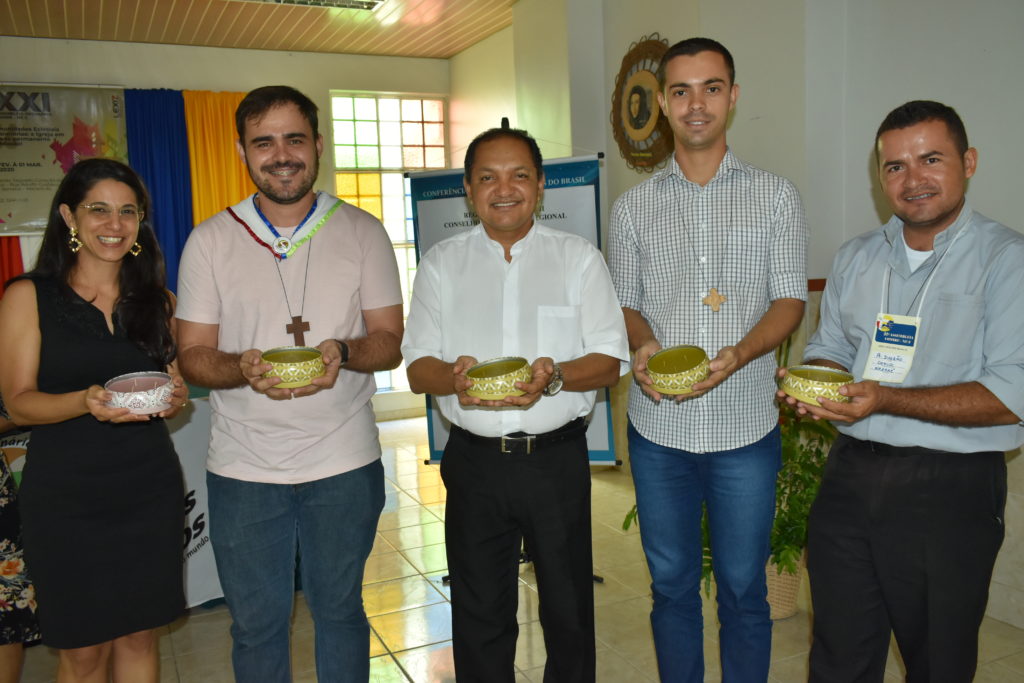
column 376, row 139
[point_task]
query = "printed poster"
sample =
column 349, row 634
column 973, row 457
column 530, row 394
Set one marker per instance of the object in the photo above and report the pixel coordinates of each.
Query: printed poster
column 44, row 130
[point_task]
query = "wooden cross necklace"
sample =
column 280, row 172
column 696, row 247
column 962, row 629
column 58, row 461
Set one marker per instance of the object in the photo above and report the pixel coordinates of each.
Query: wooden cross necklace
column 297, row 327
column 713, row 299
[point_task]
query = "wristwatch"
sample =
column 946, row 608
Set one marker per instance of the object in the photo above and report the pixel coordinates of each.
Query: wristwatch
column 555, row 383
column 344, row 351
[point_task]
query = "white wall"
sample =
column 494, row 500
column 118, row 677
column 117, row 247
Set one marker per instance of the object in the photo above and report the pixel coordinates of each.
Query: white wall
column 767, row 129
column 586, row 73
column 135, row 65
column 482, row 91
column 626, row 23
column 865, row 57
column 542, row 74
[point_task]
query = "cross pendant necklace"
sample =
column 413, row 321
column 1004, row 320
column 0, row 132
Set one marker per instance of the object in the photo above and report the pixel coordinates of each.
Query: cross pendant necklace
column 297, row 327
column 281, row 246
column 714, row 300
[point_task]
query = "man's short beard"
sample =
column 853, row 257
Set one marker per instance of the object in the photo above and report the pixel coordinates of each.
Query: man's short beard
column 266, row 189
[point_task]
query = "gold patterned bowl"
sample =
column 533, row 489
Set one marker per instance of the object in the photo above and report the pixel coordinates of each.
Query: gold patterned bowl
column 495, row 379
column 295, row 365
column 806, row 383
column 143, row 393
column 676, row 369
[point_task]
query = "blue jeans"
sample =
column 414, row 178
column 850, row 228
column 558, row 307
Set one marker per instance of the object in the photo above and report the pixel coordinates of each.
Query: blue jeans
column 738, row 487
column 257, row 529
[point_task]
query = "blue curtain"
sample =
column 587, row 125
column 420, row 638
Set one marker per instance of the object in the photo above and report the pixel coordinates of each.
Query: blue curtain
column 158, row 151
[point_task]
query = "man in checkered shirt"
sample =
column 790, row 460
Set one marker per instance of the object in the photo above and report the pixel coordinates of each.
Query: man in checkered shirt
column 710, row 252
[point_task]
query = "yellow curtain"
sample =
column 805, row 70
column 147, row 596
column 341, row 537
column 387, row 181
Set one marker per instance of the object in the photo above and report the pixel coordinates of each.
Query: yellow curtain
column 219, row 176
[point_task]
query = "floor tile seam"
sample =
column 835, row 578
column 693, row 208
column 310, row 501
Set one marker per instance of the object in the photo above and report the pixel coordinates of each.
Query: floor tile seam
column 616, row 601
column 386, row 579
column 1000, row 659
column 387, row 650
column 604, row 566
column 631, row 665
column 795, row 656
column 394, row 653
column 419, row 547
column 429, row 545
column 198, row 650
column 414, row 523
column 408, row 676
column 406, row 609
column 170, row 639
column 411, row 526
column 416, row 647
column 413, row 503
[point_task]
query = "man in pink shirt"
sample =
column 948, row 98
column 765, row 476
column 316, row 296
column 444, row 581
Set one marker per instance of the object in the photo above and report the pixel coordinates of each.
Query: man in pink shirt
column 292, row 473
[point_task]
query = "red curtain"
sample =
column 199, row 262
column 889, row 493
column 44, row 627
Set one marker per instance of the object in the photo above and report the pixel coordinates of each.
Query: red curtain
column 10, row 260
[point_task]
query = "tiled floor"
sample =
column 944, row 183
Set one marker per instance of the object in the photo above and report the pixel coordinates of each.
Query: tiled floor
column 409, row 613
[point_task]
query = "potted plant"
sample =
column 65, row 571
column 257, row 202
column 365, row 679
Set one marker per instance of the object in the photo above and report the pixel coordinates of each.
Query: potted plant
column 805, row 446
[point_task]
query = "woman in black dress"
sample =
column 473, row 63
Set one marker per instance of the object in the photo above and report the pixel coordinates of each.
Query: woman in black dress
column 102, row 499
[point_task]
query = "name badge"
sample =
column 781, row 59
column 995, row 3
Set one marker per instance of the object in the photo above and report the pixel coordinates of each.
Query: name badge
column 892, row 348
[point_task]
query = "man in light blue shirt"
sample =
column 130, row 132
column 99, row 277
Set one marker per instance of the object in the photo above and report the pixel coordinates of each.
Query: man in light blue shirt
column 927, row 314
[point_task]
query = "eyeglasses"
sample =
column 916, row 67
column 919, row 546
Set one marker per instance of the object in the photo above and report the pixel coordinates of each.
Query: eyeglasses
column 104, row 212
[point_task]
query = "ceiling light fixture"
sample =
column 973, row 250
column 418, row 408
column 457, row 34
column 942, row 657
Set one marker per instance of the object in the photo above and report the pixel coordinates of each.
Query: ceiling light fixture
column 333, row 4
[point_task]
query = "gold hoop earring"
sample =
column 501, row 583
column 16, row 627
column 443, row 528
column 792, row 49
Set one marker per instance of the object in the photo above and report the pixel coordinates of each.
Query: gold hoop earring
column 73, row 242
column 136, row 249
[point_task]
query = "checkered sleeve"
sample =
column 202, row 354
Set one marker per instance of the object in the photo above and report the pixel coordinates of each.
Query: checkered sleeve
column 788, row 258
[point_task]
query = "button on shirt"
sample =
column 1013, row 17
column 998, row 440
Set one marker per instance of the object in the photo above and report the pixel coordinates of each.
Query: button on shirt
column 972, row 324
column 671, row 241
column 553, row 299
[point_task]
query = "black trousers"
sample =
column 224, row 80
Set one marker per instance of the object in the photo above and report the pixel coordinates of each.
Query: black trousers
column 902, row 540
column 495, row 501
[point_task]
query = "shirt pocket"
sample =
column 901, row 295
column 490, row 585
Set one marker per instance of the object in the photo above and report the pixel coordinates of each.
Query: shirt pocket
column 559, row 335
column 954, row 334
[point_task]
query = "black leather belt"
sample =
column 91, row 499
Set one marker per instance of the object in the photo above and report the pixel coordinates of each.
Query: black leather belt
column 880, row 448
column 521, row 443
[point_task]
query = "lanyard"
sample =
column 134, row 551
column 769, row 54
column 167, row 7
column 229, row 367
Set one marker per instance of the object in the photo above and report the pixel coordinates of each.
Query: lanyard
column 281, row 244
column 927, row 283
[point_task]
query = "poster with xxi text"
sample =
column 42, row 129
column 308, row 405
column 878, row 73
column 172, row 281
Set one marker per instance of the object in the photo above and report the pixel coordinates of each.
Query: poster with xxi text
column 44, row 130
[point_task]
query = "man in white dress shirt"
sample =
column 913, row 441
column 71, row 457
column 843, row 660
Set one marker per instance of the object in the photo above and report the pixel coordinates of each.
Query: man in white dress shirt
column 517, row 469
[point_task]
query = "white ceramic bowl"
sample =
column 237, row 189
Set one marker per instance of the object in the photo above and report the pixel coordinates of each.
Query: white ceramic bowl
column 143, row 393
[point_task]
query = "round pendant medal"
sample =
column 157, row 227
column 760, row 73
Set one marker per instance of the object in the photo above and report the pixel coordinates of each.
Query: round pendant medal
column 282, row 245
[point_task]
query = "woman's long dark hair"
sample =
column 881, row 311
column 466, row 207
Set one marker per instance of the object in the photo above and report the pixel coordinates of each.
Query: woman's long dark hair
column 143, row 307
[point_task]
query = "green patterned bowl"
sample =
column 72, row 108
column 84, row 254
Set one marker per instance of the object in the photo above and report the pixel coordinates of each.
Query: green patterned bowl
column 676, row 369
column 806, row 383
column 295, row 365
column 495, row 379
